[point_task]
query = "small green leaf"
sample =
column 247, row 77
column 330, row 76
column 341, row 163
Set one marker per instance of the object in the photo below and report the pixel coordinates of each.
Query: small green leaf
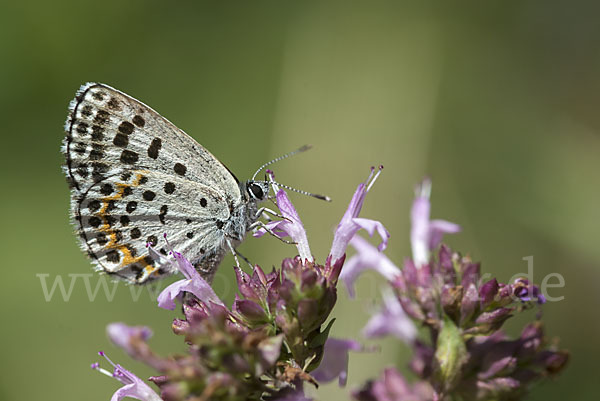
column 320, row 338
column 450, row 355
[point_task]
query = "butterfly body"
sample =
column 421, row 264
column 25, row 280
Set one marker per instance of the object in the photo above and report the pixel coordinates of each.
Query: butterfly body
column 136, row 178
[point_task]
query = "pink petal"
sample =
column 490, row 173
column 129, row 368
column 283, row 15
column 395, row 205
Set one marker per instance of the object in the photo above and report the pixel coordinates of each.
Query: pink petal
column 437, row 229
column 273, row 226
column 292, row 225
column 426, row 235
column 196, row 285
column 349, row 224
column 335, row 360
column 367, row 257
column 347, row 228
column 121, row 335
column 135, row 389
column 391, row 320
column 371, row 226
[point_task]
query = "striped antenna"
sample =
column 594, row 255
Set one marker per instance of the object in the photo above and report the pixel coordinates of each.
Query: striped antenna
column 322, row 197
column 300, row 150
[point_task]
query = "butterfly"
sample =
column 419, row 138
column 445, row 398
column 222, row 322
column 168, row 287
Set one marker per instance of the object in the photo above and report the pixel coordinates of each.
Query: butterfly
column 137, row 180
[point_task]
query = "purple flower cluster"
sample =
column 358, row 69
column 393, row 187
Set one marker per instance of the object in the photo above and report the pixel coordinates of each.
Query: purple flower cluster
column 466, row 353
column 450, row 286
column 274, row 340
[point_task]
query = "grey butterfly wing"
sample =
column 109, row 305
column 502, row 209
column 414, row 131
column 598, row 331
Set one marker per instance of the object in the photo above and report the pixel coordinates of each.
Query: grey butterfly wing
column 134, row 177
column 118, row 217
column 108, row 130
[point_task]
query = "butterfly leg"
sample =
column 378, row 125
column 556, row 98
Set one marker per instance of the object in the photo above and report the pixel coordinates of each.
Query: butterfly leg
column 260, row 224
column 245, row 259
column 232, row 249
column 266, row 213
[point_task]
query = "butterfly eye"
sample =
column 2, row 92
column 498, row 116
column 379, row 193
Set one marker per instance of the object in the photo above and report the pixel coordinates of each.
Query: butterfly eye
column 256, row 191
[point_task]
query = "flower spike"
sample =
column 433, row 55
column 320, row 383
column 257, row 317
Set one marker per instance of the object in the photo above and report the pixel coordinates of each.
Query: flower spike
column 351, row 223
column 425, row 234
column 134, row 387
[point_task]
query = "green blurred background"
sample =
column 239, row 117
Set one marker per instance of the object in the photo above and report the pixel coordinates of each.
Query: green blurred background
column 496, row 101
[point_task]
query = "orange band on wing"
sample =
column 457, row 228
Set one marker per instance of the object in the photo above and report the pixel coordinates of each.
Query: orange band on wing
column 128, row 258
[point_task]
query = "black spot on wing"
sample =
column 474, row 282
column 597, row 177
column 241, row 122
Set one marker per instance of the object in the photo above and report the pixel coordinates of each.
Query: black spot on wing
column 124, row 219
column 154, row 148
column 93, row 205
column 131, row 206
column 163, row 213
column 121, row 140
column 97, row 152
column 114, row 104
column 101, row 239
column 126, row 127
column 106, row 189
column 80, row 148
column 112, row 205
column 97, row 133
column 101, row 117
column 86, row 110
column 129, row 157
column 98, row 95
column 139, row 121
column 179, row 169
column 113, row 256
column 131, row 250
column 110, row 220
column 99, row 169
column 82, row 128
column 94, row 221
column 139, row 272
column 169, row 188
column 148, row 195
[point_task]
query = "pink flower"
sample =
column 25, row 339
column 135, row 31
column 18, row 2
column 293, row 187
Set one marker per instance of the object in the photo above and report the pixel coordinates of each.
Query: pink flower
column 351, row 223
column 391, row 321
column 134, row 387
column 367, row 257
column 193, row 282
column 124, row 336
column 290, row 226
column 335, row 360
column 425, row 234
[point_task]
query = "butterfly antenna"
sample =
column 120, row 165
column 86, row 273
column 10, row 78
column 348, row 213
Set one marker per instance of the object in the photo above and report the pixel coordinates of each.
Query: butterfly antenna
column 300, row 150
column 322, row 197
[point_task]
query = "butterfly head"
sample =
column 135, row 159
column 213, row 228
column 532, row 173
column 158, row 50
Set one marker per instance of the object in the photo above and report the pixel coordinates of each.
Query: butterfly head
column 257, row 190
